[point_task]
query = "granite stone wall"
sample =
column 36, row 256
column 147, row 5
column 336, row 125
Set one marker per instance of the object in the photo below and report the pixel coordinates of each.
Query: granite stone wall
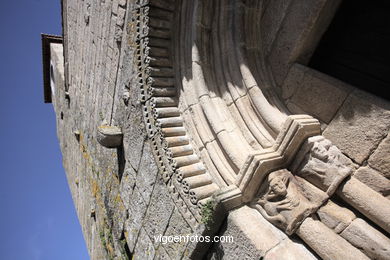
column 120, row 198
column 122, row 201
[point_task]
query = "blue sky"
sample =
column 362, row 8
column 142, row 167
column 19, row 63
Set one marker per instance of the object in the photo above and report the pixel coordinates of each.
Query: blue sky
column 37, row 216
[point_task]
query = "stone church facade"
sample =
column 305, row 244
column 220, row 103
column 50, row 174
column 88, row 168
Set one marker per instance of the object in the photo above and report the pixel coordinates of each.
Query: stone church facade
column 224, row 118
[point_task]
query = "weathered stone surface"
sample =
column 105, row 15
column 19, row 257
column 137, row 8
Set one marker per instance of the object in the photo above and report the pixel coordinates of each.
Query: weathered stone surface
column 288, row 250
column 161, row 254
column 272, row 19
column 335, row 217
column 136, row 215
column 380, row 159
column 128, row 113
column 127, row 186
column 295, row 109
column 326, row 243
column 134, row 132
column 252, row 238
column 294, row 78
column 146, row 176
column 359, row 126
column 159, row 211
column 369, row 202
column 370, row 241
column 97, row 70
column 316, row 93
column 144, row 249
column 109, row 136
column 373, row 179
column 294, row 38
column 177, row 226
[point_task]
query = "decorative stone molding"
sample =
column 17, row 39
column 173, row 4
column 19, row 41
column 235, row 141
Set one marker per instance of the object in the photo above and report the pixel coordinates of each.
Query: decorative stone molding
column 296, row 130
column 164, row 125
column 178, row 156
column 218, row 129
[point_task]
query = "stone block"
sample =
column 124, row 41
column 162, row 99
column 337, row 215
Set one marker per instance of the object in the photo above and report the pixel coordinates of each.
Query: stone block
column 128, row 114
column 293, row 36
column 146, row 176
column 295, row 109
column 289, row 250
column 369, row 202
column 359, row 126
column 127, row 186
column 159, row 211
column 253, row 235
column 273, row 17
column 369, row 240
column 380, row 159
column 161, row 254
column 135, row 219
column 317, row 93
column 294, row 79
column 335, row 217
column 177, row 227
column 144, row 249
column 109, row 136
column 374, row 179
column 326, row 243
column 122, row 2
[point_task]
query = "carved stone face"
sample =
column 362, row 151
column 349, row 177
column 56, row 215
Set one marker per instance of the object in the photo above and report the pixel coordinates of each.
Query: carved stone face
column 286, row 201
column 277, row 184
column 322, row 165
column 320, row 150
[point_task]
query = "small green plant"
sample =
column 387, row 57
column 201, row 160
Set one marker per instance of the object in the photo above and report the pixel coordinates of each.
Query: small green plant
column 207, row 212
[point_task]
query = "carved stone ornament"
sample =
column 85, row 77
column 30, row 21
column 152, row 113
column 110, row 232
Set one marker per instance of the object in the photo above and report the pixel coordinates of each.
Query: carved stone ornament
column 322, row 164
column 215, row 133
column 286, row 201
column 217, row 127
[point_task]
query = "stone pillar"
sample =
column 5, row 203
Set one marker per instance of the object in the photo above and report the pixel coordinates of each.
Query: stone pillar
column 326, row 243
column 369, row 202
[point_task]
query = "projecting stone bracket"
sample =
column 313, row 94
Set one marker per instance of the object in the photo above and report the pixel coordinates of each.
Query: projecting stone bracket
column 286, row 199
column 322, row 164
column 296, row 130
column 299, row 200
column 109, row 136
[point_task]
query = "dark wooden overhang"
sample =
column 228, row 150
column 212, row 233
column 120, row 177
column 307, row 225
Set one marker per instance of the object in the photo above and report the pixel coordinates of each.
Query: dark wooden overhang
column 46, row 40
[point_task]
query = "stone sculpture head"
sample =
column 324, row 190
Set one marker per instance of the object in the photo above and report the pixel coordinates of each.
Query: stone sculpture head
column 278, row 182
column 323, row 165
column 286, row 201
column 320, row 150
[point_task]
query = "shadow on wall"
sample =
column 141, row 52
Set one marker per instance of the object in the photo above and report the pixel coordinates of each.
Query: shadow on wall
column 361, row 103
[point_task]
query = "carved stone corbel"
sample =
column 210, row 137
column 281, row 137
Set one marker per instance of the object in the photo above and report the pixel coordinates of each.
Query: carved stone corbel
column 322, row 164
column 286, row 201
column 292, row 202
